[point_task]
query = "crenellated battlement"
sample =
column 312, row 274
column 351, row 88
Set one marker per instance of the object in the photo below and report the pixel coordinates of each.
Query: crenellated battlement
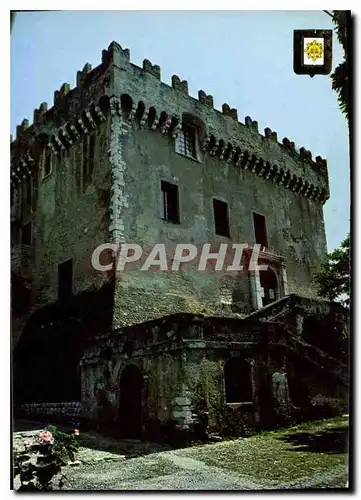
column 158, row 105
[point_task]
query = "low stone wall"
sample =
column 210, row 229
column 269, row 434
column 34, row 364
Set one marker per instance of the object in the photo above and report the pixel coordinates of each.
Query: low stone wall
column 67, row 411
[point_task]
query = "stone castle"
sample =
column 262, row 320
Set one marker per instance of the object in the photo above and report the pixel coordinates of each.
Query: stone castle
column 126, row 158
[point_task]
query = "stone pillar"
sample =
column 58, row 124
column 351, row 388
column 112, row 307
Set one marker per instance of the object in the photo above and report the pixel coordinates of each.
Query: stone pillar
column 284, row 284
column 182, row 410
column 256, row 290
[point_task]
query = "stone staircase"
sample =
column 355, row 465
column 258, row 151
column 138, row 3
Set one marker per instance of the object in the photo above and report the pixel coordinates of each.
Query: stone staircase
column 274, row 311
column 282, row 311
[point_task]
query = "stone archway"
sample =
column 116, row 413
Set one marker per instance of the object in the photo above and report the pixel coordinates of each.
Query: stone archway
column 269, row 284
column 130, row 402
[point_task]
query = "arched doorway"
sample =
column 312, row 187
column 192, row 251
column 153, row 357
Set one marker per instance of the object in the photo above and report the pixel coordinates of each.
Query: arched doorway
column 269, row 283
column 130, row 402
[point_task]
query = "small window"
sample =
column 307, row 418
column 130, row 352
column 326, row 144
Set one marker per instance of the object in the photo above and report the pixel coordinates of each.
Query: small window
column 187, row 141
column 65, row 280
column 170, row 202
column 259, row 222
column 26, row 234
column 221, row 221
column 88, row 158
column 47, row 163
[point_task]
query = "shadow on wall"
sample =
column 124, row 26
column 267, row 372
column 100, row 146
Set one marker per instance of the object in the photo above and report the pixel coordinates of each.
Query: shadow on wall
column 46, row 358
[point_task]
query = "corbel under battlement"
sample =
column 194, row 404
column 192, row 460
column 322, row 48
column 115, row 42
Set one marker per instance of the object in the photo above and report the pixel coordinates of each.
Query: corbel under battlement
column 92, row 112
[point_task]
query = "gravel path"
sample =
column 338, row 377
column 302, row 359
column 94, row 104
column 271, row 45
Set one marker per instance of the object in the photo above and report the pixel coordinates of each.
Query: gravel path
column 169, row 471
column 106, row 465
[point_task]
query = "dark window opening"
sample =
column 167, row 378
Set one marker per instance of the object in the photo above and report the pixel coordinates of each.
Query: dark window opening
column 126, row 103
column 238, row 382
column 187, row 141
column 269, row 285
column 170, row 202
column 221, row 221
column 88, row 158
column 47, row 164
column 65, row 280
column 29, row 193
column 259, row 222
column 26, row 234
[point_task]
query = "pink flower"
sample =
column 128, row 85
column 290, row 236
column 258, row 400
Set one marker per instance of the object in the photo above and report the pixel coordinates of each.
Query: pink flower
column 76, row 432
column 27, row 444
column 45, row 437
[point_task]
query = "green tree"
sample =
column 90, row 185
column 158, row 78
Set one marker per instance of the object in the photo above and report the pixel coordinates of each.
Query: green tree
column 340, row 77
column 333, row 279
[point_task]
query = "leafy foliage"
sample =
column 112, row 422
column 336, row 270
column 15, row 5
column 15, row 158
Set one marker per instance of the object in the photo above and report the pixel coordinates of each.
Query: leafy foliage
column 41, row 462
column 340, row 77
column 65, row 445
column 334, row 278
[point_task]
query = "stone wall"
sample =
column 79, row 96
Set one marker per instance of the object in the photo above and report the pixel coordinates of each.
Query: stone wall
column 68, row 411
column 136, row 119
column 294, row 224
column 71, row 221
column 181, row 359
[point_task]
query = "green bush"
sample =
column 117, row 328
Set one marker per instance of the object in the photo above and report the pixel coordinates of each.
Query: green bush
column 65, row 445
column 40, row 462
column 326, row 407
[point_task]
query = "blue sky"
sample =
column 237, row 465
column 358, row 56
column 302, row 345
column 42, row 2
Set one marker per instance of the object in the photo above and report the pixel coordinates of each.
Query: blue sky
column 243, row 58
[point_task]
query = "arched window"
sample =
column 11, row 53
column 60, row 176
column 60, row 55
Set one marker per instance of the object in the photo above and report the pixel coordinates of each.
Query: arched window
column 126, row 103
column 238, row 381
column 189, row 138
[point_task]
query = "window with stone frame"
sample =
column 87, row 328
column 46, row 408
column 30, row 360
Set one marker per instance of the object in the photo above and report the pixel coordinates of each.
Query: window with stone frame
column 187, row 141
column 260, row 230
column 221, row 219
column 170, row 199
column 238, row 381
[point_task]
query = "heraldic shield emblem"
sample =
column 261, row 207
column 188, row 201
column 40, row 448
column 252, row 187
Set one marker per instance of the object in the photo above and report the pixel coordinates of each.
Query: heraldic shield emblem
column 312, row 52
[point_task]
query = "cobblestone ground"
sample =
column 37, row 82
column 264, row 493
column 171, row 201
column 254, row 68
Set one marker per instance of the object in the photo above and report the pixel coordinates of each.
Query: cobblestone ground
column 105, row 464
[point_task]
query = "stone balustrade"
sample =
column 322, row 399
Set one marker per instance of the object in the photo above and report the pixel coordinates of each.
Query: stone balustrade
column 71, row 410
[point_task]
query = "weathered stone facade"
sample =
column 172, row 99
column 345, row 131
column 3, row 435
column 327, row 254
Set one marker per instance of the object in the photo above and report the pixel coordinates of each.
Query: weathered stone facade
column 88, row 171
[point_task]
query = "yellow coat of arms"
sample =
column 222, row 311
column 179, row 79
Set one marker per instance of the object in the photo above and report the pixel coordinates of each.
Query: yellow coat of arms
column 314, row 50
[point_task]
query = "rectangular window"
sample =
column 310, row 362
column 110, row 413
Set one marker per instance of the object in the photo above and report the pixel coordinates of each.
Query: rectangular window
column 259, row 222
column 88, row 158
column 26, row 234
column 221, row 221
column 65, row 280
column 187, row 141
column 170, row 202
column 47, row 163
